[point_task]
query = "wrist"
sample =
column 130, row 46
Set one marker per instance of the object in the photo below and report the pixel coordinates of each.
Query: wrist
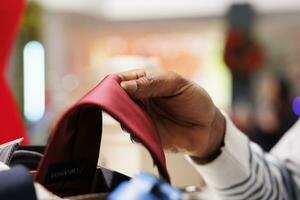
column 215, row 140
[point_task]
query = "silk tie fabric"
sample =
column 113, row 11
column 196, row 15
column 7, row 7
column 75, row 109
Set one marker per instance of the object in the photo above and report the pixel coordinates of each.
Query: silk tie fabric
column 11, row 124
column 71, row 155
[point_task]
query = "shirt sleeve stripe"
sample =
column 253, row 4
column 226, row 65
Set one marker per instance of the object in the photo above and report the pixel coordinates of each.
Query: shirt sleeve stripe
column 267, row 188
column 242, row 182
column 257, row 185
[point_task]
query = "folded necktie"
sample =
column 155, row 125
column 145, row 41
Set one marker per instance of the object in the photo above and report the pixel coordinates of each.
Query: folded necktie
column 71, row 155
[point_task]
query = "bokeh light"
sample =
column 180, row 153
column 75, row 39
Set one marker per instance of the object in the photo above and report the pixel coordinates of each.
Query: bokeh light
column 296, row 106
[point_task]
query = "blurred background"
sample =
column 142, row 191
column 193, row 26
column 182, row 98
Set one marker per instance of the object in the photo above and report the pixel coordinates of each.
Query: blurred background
column 246, row 54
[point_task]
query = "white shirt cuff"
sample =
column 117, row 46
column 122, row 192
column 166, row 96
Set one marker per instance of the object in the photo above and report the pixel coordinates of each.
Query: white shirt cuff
column 232, row 165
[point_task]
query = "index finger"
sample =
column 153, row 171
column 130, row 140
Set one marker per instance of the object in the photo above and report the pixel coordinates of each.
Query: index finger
column 132, row 75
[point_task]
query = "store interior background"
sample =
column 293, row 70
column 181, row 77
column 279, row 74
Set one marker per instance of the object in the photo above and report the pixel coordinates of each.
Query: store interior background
column 84, row 40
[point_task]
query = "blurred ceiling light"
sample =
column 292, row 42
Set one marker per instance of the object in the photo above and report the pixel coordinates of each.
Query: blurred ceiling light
column 65, row 5
column 137, row 9
column 157, row 9
column 34, row 81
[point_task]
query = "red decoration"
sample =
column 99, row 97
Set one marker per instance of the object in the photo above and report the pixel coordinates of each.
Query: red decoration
column 11, row 125
column 242, row 55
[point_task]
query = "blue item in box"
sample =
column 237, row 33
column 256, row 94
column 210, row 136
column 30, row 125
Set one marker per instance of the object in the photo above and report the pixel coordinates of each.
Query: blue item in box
column 145, row 187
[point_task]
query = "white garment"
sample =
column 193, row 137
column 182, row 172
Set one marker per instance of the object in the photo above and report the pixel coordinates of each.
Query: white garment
column 244, row 171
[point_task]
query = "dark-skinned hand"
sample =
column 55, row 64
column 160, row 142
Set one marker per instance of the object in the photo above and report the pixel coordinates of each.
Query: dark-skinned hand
column 185, row 116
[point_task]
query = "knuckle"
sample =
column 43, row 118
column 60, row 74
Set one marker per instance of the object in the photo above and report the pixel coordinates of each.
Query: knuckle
column 173, row 76
column 146, row 86
column 151, row 81
column 179, row 82
column 144, row 83
column 177, row 78
column 174, row 73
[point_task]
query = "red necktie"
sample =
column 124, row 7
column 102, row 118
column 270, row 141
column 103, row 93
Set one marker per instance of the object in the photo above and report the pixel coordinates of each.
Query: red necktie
column 11, row 125
column 71, row 155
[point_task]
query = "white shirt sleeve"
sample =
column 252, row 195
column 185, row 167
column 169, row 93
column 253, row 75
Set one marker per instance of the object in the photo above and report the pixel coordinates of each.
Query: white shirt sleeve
column 288, row 148
column 244, row 171
column 288, row 151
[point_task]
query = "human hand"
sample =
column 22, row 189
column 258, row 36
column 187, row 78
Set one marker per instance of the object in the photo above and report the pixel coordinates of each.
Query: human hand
column 185, row 116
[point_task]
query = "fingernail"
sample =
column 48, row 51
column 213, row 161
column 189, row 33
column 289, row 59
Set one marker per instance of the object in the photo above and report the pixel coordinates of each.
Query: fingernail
column 129, row 86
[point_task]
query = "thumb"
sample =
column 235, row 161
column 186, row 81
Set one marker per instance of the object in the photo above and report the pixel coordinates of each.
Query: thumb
column 129, row 86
